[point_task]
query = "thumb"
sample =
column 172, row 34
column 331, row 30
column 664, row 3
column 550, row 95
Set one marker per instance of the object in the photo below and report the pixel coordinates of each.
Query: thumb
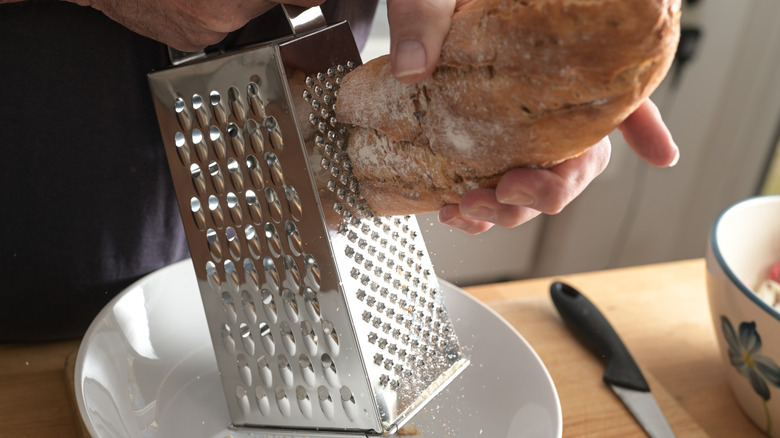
column 417, row 31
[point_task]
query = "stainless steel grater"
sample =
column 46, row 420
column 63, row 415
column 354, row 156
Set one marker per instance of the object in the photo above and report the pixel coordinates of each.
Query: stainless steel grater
column 325, row 320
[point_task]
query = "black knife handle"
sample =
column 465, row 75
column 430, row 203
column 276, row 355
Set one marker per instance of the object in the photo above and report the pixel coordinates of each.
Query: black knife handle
column 595, row 332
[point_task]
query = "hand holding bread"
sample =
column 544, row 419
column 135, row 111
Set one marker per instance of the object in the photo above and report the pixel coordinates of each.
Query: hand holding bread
column 518, row 84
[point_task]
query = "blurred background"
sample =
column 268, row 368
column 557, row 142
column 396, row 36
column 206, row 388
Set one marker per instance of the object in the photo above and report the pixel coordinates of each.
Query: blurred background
column 721, row 101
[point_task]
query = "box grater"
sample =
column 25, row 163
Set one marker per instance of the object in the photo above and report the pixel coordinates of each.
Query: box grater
column 325, row 320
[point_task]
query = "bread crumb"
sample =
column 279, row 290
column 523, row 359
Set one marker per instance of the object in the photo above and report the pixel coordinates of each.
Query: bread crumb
column 408, row 430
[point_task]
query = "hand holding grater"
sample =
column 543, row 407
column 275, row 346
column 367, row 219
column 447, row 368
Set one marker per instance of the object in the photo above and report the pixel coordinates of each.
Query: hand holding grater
column 325, row 320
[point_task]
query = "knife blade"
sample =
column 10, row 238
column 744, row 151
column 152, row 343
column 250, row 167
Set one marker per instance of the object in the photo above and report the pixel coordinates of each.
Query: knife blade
column 621, row 374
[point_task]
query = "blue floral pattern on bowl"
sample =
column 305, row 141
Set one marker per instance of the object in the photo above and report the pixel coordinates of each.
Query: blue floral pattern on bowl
column 745, row 355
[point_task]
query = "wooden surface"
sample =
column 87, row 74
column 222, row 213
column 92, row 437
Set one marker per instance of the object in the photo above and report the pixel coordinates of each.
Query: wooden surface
column 660, row 311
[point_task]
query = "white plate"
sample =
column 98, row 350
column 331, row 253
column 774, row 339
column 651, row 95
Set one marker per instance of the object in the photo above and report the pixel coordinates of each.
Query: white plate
column 146, row 369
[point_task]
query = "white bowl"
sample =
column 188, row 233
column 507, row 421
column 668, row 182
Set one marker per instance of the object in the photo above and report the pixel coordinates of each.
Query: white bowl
column 744, row 242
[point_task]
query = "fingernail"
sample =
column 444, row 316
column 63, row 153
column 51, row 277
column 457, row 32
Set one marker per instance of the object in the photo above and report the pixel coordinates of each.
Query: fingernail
column 676, row 159
column 481, row 213
column 455, row 222
column 409, row 58
column 522, row 199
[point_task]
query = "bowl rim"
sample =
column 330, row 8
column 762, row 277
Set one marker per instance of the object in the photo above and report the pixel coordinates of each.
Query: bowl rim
column 741, row 286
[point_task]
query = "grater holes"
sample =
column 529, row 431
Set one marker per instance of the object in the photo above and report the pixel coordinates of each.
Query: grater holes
column 290, row 304
column 242, row 399
column 267, row 338
column 294, row 204
column 255, row 172
column 198, row 180
column 294, row 240
column 312, row 278
column 234, row 246
column 274, row 168
column 271, row 273
column 248, row 305
column 198, row 214
column 253, row 205
column 320, row 95
column 252, row 241
column 251, row 277
column 326, row 402
column 220, row 115
column 288, row 338
column 215, row 248
column 231, row 276
column 243, row 370
column 292, row 274
column 263, row 404
column 183, row 117
column 230, row 307
column 236, row 107
column 201, row 112
column 236, row 175
column 212, row 276
column 312, row 303
column 348, row 402
column 310, row 339
column 282, row 401
column 331, row 337
column 247, row 340
column 216, row 212
column 256, row 139
column 217, row 178
column 236, row 139
column 217, row 142
column 304, row 403
column 255, row 101
column 227, row 339
column 274, row 133
column 307, row 369
column 329, row 369
column 273, row 240
column 182, row 149
column 269, row 305
column 273, row 204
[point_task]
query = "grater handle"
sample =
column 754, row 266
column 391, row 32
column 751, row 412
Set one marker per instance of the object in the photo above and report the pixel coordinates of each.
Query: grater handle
column 300, row 19
column 303, row 20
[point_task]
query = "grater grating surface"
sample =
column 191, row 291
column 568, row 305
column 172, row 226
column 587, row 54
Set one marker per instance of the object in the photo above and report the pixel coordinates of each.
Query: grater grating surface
column 322, row 316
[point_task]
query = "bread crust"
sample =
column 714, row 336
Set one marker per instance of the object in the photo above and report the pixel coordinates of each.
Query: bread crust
column 519, row 83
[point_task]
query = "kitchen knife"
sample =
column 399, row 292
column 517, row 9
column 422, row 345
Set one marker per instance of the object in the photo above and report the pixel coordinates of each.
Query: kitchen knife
column 622, row 374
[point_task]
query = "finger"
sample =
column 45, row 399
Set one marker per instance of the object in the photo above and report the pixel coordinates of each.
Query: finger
column 231, row 16
column 304, row 3
column 450, row 215
column 482, row 205
column 417, row 31
column 550, row 190
column 647, row 134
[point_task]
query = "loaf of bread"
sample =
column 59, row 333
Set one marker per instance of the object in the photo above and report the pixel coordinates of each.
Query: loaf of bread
column 518, row 83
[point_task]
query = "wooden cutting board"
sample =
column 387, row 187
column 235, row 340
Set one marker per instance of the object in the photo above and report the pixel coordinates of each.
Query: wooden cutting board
column 590, row 408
